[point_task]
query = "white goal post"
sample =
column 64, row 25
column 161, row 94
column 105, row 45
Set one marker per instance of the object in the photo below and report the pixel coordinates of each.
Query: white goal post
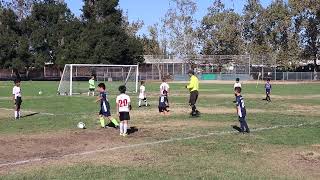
column 75, row 77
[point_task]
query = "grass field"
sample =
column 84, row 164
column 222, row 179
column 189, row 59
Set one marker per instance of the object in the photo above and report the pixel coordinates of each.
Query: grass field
column 284, row 144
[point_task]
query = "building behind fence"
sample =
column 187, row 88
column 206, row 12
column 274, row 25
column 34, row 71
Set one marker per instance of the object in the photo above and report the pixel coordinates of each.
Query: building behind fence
column 213, row 67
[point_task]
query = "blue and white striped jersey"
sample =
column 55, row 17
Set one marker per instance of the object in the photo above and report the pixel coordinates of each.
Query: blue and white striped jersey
column 241, row 107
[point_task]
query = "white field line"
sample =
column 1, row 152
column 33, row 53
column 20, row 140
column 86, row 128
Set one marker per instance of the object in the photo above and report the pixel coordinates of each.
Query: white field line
column 42, row 113
column 146, row 144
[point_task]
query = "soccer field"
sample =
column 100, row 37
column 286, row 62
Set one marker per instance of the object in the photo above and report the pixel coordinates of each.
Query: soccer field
column 46, row 144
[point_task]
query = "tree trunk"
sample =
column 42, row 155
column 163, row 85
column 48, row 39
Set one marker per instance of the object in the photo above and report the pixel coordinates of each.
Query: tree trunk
column 315, row 72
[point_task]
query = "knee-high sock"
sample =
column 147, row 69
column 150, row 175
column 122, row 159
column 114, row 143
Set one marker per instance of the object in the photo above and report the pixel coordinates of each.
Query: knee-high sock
column 115, row 122
column 121, row 127
column 102, row 122
column 125, row 128
column 146, row 102
column 19, row 114
column 16, row 114
column 139, row 102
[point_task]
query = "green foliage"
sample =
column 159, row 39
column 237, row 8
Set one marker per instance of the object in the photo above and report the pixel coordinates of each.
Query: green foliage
column 51, row 33
column 221, row 31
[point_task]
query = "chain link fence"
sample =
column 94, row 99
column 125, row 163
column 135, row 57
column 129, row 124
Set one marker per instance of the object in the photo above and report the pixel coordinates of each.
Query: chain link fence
column 219, row 67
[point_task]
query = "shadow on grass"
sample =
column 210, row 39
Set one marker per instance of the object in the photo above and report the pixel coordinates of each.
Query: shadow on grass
column 132, row 129
column 29, row 115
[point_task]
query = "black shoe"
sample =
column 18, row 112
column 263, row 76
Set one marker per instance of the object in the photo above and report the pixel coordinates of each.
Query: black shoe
column 139, row 106
column 248, row 131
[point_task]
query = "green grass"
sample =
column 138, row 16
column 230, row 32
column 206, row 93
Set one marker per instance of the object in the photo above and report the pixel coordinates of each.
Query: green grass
column 231, row 156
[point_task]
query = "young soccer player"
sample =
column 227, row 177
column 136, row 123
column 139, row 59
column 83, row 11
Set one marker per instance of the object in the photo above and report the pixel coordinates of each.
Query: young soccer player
column 163, row 103
column 164, row 87
column 123, row 108
column 105, row 107
column 17, row 98
column 268, row 89
column 236, row 84
column 241, row 111
column 92, row 87
column 142, row 95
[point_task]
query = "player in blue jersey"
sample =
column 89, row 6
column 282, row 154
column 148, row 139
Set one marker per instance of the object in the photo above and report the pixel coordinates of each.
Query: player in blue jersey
column 241, row 111
column 268, row 89
column 163, row 103
column 105, row 107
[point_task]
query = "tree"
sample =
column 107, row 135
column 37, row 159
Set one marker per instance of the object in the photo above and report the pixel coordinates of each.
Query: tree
column 48, row 24
column 133, row 27
column 254, row 29
column 105, row 38
column 179, row 23
column 22, row 8
column 306, row 15
column 280, row 35
column 14, row 46
column 221, row 31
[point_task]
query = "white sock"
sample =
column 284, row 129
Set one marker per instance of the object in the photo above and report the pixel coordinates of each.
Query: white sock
column 19, row 114
column 139, row 102
column 125, row 128
column 146, row 102
column 121, row 127
column 15, row 114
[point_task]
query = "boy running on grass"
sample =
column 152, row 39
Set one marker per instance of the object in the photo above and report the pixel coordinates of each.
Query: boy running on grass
column 241, row 111
column 123, row 108
column 92, row 87
column 17, row 99
column 142, row 94
column 268, row 88
column 105, row 107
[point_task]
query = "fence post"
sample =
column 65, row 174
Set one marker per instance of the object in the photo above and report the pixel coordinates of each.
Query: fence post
column 249, row 66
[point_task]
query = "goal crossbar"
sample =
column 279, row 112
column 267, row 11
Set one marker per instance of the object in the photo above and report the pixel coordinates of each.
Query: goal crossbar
column 66, row 83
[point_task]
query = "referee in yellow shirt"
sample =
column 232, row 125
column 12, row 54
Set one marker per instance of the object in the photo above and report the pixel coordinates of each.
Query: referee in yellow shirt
column 194, row 93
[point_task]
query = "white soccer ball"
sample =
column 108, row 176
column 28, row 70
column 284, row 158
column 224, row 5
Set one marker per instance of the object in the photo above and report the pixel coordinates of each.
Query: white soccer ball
column 40, row 92
column 81, row 125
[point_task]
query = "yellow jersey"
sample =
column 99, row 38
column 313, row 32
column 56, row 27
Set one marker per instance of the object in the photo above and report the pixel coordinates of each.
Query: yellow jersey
column 194, row 84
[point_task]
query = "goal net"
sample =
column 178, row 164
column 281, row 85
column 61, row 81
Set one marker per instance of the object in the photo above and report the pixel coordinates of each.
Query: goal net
column 75, row 77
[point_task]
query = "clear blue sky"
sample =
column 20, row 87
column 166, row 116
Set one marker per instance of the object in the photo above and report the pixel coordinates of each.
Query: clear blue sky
column 151, row 11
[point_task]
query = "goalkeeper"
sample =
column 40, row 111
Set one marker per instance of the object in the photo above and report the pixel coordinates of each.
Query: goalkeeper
column 194, row 93
column 92, row 86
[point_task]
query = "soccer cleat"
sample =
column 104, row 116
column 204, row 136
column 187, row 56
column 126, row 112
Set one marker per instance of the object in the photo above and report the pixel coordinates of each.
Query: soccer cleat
column 124, row 134
column 121, row 134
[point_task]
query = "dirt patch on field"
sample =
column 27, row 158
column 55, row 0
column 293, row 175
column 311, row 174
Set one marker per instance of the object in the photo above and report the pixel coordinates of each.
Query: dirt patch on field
column 294, row 162
column 299, row 107
column 5, row 114
column 186, row 111
column 17, row 148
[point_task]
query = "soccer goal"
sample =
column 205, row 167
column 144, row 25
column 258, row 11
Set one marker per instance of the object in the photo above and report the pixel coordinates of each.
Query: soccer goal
column 75, row 77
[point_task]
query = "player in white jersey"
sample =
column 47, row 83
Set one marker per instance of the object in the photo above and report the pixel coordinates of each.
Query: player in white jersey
column 123, row 108
column 17, row 99
column 142, row 94
column 236, row 85
column 164, row 87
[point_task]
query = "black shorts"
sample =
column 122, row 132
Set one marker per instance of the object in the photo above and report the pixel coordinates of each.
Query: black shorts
column 124, row 116
column 163, row 109
column 91, row 89
column 18, row 102
column 193, row 97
